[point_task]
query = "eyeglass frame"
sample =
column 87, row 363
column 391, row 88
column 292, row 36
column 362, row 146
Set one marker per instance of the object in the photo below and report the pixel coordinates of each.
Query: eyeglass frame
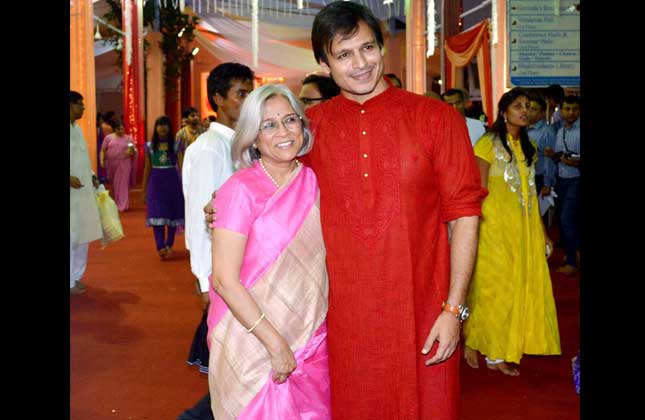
column 308, row 101
column 280, row 121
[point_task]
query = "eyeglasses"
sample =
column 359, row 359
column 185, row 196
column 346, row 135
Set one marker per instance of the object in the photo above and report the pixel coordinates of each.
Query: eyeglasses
column 308, row 101
column 291, row 122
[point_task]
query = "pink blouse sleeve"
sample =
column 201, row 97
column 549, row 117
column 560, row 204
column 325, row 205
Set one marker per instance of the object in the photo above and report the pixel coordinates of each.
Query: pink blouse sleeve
column 234, row 204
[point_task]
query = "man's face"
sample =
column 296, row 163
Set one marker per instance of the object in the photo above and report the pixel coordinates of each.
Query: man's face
column 356, row 64
column 76, row 110
column 456, row 101
column 310, row 95
column 193, row 119
column 536, row 113
column 570, row 113
column 230, row 106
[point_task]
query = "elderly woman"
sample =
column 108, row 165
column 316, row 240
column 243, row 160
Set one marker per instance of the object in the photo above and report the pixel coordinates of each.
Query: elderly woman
column 118, row 154
column 510, row 296
column 267, row 329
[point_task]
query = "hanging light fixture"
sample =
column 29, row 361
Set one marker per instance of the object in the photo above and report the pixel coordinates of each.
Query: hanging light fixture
column 195, row 51
column 431, row 27
column 254, row 33
column 97, row 34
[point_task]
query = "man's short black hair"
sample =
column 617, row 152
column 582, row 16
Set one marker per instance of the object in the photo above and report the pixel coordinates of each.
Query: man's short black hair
column 188, row 111
column 454, row 91
column 393, row 77
column 74, row 97
column 340, row 18
column 221, row 77
column 556, row 92
column 327, row 87
column 571, row 99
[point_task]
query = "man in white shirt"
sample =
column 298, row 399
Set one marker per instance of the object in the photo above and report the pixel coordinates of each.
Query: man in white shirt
column 207, row 165
column 457, row 99
column 84, row 219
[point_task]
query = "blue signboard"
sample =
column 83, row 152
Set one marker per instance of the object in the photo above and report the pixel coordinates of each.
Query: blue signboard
column 543, row 43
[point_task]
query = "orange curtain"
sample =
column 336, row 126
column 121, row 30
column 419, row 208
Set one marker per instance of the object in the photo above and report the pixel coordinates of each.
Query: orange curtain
column 460, row 50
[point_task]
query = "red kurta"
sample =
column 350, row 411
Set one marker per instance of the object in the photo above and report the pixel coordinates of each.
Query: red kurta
column 391, row 172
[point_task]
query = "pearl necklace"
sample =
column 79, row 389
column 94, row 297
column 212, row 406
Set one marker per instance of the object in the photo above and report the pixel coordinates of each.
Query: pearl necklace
column 269, row 175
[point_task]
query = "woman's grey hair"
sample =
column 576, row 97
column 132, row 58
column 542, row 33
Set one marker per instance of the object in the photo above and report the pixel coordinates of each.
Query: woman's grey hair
column 248, row 125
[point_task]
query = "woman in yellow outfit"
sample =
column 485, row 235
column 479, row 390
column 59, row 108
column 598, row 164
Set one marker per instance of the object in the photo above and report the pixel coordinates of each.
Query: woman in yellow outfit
column 510, row 297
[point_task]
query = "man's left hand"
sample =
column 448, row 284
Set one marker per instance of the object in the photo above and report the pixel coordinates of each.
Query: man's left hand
column 446, row 331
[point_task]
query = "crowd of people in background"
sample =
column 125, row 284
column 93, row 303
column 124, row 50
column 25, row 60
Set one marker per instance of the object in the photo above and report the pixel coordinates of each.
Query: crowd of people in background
column 471, row 242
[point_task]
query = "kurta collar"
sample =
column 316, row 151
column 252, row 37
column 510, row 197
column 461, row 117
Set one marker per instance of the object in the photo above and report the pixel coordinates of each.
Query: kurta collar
column 380, row 101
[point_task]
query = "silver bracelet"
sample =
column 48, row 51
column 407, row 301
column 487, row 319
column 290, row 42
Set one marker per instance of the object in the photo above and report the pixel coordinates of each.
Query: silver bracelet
column 250, row 330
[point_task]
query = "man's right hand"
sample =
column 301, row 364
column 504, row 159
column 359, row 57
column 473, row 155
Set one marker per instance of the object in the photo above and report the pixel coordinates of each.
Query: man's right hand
column 210, row 211
column 545, row 191
column 75, row 182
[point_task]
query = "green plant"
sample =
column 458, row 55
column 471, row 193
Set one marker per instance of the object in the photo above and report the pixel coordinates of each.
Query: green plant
column 171, row 24
column 176, row 48
column 115, row 17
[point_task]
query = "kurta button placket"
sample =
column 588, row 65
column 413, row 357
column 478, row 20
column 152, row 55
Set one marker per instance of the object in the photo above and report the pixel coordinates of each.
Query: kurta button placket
column 364, row 150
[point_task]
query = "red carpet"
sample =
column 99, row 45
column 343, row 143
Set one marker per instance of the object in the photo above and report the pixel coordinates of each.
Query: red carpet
column 131, row 332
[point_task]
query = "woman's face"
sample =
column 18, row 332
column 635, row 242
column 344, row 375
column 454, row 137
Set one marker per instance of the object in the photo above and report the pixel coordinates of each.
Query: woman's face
column 162, row 130
column 517, row 112
column 281, row 132
column 119, row 130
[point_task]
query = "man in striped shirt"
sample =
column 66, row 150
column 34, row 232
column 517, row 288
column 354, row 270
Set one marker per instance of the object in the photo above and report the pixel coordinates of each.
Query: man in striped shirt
column 567, row 150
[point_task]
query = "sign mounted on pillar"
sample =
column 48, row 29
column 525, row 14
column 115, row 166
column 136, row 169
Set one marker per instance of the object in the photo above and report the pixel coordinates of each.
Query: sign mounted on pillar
column 543, row 43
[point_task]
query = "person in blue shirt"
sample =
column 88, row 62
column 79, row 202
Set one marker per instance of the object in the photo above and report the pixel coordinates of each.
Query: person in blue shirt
column 544, row 137
column 567, row 156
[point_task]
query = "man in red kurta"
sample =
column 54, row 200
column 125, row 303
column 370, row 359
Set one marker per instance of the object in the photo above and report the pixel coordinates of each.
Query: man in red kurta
column 395, row 169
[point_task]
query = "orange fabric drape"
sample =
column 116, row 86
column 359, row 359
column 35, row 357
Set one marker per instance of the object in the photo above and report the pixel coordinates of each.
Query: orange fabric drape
column 82, row 75
column 460, row 50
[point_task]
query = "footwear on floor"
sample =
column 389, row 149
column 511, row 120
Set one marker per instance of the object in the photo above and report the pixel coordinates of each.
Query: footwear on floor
column 75, row 291
column 163, row 253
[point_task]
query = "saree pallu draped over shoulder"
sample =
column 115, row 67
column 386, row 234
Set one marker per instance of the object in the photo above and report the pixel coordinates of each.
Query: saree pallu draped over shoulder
column 284, row 270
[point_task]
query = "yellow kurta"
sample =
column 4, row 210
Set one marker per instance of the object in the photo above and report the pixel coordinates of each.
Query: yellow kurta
column 510, row 297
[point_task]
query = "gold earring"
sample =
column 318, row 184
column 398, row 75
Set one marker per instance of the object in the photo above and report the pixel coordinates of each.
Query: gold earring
column 255, row 146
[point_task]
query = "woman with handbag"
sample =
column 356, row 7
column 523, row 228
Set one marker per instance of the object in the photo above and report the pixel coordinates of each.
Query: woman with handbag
column 117, row 155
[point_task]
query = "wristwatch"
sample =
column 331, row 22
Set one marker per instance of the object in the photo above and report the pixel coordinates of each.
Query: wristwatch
column 461, row 312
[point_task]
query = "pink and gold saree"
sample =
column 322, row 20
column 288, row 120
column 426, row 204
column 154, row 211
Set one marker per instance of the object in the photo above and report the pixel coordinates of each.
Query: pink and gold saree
column 284, row 270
